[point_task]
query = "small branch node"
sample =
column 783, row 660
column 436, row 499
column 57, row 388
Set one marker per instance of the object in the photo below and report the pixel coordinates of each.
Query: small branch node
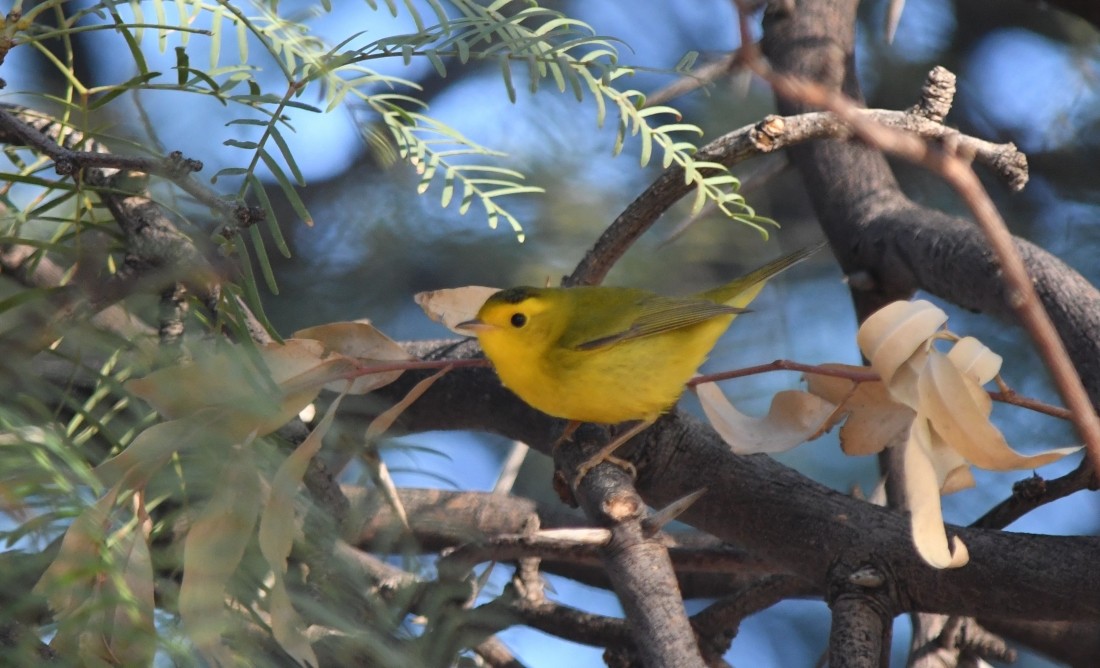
column 64, row 166
column 1030, row 489
column 621, row 506
column 937, row 95
column 867, row 577
column 766, row 134
column 177, row 165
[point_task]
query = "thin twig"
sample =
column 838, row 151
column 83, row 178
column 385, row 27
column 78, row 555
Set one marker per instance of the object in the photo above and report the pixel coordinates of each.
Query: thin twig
column 859, row 376
column 1033, row 492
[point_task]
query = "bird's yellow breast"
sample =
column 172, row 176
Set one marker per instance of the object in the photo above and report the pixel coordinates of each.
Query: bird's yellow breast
column 633, row 380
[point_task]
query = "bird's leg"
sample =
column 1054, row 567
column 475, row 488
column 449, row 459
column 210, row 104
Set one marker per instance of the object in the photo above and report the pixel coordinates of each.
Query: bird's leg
column 604, row 455
column 566, row 434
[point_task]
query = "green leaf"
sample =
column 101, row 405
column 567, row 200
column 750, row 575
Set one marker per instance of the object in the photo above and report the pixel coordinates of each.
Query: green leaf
column 216, row 35
column 262, row 259
column 687, row 61
column 183, row 64
column 287, row 155
column 437, row 63
column 126, row 87
column 288, row 189
column 506, row 70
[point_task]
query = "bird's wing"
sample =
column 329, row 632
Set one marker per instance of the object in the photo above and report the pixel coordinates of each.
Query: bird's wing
column 654, row 315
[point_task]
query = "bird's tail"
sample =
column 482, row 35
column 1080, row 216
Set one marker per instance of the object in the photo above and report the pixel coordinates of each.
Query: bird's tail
column 740, row 291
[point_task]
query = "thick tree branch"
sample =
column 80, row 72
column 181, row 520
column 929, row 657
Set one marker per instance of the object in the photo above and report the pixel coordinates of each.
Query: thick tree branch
column 637, row 564
column 772, row 134
column 759, row 505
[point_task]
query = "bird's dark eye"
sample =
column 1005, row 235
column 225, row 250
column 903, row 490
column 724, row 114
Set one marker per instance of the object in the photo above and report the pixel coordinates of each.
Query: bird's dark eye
column 518, row 320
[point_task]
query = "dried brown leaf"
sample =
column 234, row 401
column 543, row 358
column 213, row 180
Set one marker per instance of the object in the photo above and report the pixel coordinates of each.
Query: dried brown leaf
column 794, row 417
column 278, row 527
column 130, row 636
column 379, row 426
column 454, row 305
column 897, row 331
column 872, row 420
column 922, row 492
column 959, row 411
column 213, row 550
column 67, row 582
column 362, row 342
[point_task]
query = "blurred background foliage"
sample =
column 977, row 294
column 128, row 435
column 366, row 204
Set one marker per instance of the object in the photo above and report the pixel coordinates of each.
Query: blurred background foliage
column 1027, row 74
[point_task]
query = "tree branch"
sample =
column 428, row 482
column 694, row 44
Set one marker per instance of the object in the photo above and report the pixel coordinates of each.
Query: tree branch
column 769, row 135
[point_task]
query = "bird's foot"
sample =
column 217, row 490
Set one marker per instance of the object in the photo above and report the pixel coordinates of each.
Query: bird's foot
column 606, row 454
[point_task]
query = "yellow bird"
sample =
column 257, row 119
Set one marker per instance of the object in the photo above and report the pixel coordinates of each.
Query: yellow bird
column 605, row 354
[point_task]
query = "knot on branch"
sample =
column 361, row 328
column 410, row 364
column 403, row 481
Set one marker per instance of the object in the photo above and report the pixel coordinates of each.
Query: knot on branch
column 1030, row 488
column 867, row 582
column 64, row 166
column 177, row 165
column 937, row 95
column 766, row 134
column 248, row 216
column 1012, row 164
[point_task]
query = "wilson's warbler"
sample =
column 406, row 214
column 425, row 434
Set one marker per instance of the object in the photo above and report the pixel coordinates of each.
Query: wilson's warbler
column 609, row 355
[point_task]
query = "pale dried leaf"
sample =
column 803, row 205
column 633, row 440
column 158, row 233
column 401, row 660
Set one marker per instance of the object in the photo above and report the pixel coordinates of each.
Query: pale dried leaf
column 277, row 523
column 454, row 305
column 793, row 418
column 223, row 377
column 385, row 420
column 151, row 449
column 287, row 625
column 363, row 342
column 278, row 526
column 896, row 332
column 379, row 426
column 952, row 470
column 131, row 636
column 922, row 492
column 959, row 412
column 903, row 386
column 212, row 551
column 973, row 358
column 92, row 650
column 872, row 420
column 289, row 378
column 67, row 582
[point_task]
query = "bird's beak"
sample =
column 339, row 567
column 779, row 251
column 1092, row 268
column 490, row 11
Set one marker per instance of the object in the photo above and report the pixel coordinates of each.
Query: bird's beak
column 474, row 326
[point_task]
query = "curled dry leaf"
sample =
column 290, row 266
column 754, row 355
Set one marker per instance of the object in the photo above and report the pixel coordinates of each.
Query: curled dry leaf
column 948, row 414
column 793, row 418
column 974, row 359
column 454, row 305
column 958, row 410
column 872, row 420
column 362, row 342
column 894, row 333
column 929, row 534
